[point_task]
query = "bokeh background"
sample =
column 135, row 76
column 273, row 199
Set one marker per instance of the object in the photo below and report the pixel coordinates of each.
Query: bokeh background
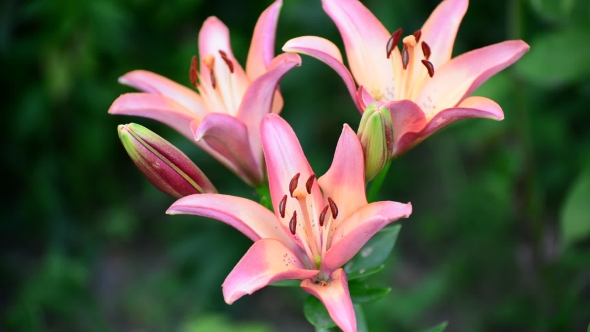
column 498, row 240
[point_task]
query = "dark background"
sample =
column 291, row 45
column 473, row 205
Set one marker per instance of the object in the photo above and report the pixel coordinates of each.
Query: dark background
column 498, row 240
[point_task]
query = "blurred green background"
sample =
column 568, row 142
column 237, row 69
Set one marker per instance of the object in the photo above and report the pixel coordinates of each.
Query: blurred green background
column 498, row 240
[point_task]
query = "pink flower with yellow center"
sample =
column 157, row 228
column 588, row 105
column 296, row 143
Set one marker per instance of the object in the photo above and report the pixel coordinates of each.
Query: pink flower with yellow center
column 224, row 116
column 421, row 85
column 317, row 227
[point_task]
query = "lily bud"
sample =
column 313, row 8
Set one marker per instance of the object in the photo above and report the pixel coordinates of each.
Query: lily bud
column 164, row 165
column 376, row 135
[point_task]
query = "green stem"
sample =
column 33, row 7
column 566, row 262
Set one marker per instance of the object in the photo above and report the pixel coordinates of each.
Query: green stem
column 377, row 183
column 264, row 196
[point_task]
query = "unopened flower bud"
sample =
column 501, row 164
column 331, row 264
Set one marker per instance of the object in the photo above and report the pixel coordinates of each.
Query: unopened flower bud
column 164, row 165
column 376, row 135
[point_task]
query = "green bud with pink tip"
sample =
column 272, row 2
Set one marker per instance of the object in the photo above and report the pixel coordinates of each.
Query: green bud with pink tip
column 164, row 165
column 376, row 135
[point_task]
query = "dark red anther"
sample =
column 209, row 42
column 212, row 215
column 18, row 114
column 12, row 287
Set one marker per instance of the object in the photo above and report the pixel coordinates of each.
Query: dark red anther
column 429, row 66
column 227, row 61
column 293, row 223
column 282, row 205
column 405, row 57
column 393, row 40
column 192, row 72
column 293, row 183
column 417, row 35
column 309, row 183
column 425, row 50
column 333, row 208
column 323, row 215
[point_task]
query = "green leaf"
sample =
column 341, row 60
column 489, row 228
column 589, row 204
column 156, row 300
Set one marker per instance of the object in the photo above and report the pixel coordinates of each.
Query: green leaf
column 286, row 283
column 363, row 273
column 439, row 328
column 575, row 219
column 554, row 60
column 554, row 9
column 317, row 314
column 362, row 293
column 361, row 321
column 374, row 253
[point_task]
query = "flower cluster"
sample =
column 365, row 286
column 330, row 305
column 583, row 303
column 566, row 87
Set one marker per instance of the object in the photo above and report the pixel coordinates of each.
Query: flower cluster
column 317, row 224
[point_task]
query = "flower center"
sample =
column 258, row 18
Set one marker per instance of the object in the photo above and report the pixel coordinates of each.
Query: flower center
column 410, row 78
column 310, row 230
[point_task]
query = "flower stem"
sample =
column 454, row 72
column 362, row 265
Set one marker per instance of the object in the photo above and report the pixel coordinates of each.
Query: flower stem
column 263, row 193
column 377, row 183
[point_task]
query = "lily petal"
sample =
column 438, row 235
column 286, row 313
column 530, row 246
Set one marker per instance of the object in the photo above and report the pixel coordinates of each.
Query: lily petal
column 227, row 139
column 267, row 261
column 465, row 73
column 149, row 82
column 155, row 107
column 284, row 158
column 344, row 182
column 327, row 52
column 472, row 107
column 248, row 217
column 364, row 98
column 353, row 232
column 335, row 296
column 262, row 46
column 440, row 31
column 365, row 41
column 258, row 99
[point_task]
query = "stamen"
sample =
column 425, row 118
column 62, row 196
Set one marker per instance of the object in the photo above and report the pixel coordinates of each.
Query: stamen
column 333, row 208
column 293, row 183
column 323, row 215
column 429, row 66
column 425, row 50
column 228, row 62
column 393, row 40
column 417, row 35
column 282, row 205
column 192, row 72
column 405, row 56
column 293, row 223
column 309, row 183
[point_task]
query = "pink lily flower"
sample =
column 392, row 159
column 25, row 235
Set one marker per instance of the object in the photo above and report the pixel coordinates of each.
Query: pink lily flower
column 422, row 86
column 317, row 226
column 224, row 116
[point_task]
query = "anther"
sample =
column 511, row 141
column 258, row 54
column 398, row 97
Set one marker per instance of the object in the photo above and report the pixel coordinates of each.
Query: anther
column 192, row 72
column 309, row 183
column 293, row 223
column 417, row 35
column 333, row 208
column 425, row 50
column 405, row 57
column 393, row 40
column 323, row 215
column 293, row 183
column 282, row 205
column 228, row 62
column 429, row 66
column 209, row 61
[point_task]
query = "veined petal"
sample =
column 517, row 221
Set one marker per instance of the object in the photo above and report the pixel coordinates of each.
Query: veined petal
column 344, row 182
column 228, row 141
column 258, row 99
column 406, row 117
column 352, row 233
column 149, row 82
column 267, row 261
column 472, row 107
column 335, row 296
column 262, row 46
column 284, row 158
column 213, row 37
column 155, row 107
column 365, row 40
column 364, row 98
column 252, row 219
column 440, row 31
column 325, row 51
column 465, row 73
